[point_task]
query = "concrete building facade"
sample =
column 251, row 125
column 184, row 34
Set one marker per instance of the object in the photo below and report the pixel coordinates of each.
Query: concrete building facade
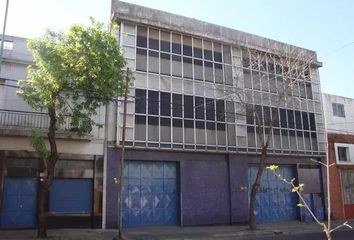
column 192, row 155
column 76, row 195
column 339, row 117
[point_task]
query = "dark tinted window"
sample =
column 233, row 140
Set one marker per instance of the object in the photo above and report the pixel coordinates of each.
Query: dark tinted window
column 220, row 110
column 177, row 105
column 305, row 120
column 165, row 104
column 291, row 121
column 298, row 120
column 165, row 41
column 208, row 50
column 210, row 109
column 153, row 102
column 140, row 101
column 197, row 48
column 188, row 107
column 176, row 43
column 199, row 108
column 154, row 39
column 312, row 122
column 187, row 46
column 283, row 122
column 249, row 114
column 142, row 37
column 217, row 52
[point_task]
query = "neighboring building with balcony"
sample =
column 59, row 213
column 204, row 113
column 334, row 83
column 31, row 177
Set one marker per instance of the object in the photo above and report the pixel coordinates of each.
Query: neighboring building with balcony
column 339, row 115
column 191, row 156
column 76, row 195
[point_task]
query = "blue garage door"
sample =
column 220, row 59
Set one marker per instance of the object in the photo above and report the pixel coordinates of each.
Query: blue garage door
column 68, row 196
column 150, row 194
column 274, row 200
column 19, row 203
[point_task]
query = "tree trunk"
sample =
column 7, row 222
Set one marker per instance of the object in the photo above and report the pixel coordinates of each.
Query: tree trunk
column 47, row 176
column 255, row 186
column 42, row 223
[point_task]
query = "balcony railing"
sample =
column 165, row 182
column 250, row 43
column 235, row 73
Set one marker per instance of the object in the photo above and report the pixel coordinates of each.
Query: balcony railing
column 28, row 120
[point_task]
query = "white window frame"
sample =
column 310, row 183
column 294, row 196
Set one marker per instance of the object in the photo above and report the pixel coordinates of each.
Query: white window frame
column 350, row 153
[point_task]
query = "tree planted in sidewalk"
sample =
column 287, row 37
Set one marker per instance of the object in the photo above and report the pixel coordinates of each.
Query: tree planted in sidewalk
column 284, row 72
column 74, row 74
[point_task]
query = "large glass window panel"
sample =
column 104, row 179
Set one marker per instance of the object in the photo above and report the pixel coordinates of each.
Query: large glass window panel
column 247, row 78
column 210, row 109
column 285, row 139
column 220, row 110
column 165, row 103
column 277, row 141
column 298, row 120
column 283, row 121
column 177, row 105
column 249, row 114
column 305, row 120
column 211, row 134
column 208, row 50
column 140, row 101
column 251, row 136
column 302, row 89
column 199, row 108
column 200, row 132
column 228, row 75
column 312, row 122
column 230, row 111
column 197, row 48
column 256, row 80
column 314, row 141
column 165, row 63
column 176, row 66
column 272, row 83
column 153, row 62
column 140, row 128
column 231, row 135
column 142, row 37
column 291, row 121
column 153, row 129
column 187, row 68
column 275, row 117
column 198, row 69
column 141, row 59
column 218, row 73
column 267, row 116
column 309, row 90
column 176, row 43
column 188, row 106
column 227, row 54
column 153, row 39
column 153, row 102
column 165, row 41
column 292, row 140
column 221, row 134
column 217, row 52
column 177, row 131
column 208, row 71
column 187, row 45
column 165, row 129
column 307, row 141
column 189, row 131
column 299, row 139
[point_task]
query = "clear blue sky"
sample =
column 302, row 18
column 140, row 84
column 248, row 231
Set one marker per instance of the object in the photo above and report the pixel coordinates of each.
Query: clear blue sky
column 321, row 25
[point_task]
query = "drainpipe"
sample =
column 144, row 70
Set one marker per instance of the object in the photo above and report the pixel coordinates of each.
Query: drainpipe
column 105, row 146
column 3, row 33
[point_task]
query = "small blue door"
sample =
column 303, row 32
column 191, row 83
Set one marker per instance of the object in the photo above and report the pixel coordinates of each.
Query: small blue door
column 19, row 203
column 274, row 200
column 150, row 193
column 69, row 196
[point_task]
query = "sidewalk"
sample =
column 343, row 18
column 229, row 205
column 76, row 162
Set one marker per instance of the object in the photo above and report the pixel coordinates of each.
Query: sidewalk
column 172, row 233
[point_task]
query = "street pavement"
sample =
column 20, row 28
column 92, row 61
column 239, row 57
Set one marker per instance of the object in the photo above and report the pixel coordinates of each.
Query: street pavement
column 292, row 230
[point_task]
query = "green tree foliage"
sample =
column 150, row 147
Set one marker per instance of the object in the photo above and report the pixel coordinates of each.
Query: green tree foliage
column 74, row 74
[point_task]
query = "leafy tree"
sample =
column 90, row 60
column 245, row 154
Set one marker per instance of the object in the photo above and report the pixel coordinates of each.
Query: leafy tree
column 74, row 74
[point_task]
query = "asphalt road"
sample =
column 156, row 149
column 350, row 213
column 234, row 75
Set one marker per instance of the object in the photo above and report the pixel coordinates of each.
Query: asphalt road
column 340, row 235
